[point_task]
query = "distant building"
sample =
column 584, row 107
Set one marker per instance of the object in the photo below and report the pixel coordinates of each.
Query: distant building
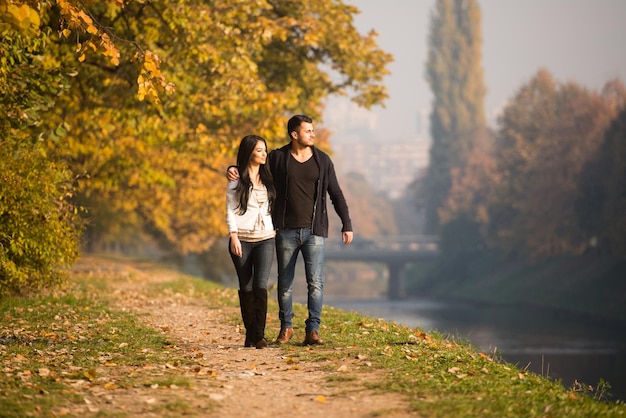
column 389, row 167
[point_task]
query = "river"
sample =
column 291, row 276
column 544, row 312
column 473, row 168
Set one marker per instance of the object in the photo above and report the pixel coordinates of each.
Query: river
column 544, row 342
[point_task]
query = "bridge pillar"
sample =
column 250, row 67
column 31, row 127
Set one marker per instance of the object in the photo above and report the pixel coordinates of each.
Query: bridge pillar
column 395, row 289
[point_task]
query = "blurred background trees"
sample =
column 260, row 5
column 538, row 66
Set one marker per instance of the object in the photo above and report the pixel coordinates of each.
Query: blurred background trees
column 533, row 211
column 549, row 181
column 457, row 119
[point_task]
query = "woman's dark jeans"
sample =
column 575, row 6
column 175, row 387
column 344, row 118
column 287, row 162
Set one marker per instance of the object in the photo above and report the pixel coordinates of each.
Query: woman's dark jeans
column 253, row 267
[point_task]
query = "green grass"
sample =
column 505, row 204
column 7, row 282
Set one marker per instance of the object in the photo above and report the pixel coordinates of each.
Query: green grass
column 49, row 344
column 443, row 377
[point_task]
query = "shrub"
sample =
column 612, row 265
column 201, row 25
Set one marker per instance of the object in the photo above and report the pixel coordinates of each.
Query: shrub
column 39, row 227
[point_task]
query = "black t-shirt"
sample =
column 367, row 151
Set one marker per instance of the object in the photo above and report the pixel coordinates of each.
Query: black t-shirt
column 301, row 192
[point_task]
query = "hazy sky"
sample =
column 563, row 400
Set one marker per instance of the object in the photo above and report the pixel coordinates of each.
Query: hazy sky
column 579, row 40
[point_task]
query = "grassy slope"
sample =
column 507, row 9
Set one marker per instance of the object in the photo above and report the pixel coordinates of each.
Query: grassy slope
column 592, row 286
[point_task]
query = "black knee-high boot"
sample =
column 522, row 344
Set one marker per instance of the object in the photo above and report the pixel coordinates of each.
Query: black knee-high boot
column 260, row 317
column 246, row 302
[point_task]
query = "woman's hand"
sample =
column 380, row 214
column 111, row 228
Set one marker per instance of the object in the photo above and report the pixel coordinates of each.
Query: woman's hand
column 235, row 245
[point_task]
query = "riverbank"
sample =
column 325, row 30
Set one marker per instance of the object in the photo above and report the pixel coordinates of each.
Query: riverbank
column 132, row 338
column 129, row 338
column 589, row 287
column 551, row 345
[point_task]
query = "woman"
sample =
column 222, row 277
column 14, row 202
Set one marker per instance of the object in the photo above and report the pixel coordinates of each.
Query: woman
column 248, row 216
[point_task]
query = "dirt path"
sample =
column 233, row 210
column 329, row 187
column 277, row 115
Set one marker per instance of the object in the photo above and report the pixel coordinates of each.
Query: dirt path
column 229, row 380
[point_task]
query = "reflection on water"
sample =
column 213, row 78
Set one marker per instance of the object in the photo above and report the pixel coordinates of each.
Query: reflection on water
column 544, row 342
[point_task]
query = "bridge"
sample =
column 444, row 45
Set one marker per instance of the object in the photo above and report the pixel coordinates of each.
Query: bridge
column 396, row 252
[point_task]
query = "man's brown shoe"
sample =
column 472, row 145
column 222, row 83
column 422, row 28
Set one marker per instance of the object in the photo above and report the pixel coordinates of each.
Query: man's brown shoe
column 312, row 338
column 285, row 335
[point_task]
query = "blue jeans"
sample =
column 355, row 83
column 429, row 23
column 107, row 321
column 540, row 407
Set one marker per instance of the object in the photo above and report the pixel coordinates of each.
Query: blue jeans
column 289, row 243
column 253, row 267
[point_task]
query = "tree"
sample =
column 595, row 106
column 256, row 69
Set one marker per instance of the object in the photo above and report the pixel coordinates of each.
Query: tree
column 153, row 164
column 548, row 133
column 601, row 206
column 39, row 227
column 470, row 191
column 614, row 209
column 455, row 76
column 369, row 209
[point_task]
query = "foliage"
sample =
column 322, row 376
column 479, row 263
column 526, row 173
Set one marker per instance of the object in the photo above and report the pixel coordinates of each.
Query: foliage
column 548, row 133
column 367, row 207
column 39, row 228
column 146, row 101
column 601, row 207
column 158, row 166
column 454, row 73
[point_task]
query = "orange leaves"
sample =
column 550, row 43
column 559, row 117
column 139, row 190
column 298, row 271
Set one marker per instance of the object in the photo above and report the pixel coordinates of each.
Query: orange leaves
column 485, row 356
column 77, row 19
column 150, row 80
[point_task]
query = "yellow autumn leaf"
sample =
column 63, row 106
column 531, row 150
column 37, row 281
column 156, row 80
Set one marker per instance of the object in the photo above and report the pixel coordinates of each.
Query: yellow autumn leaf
column 141, row 92
column 90, row 373
column 320, row 398
column 23, row 17
column 149, row 66
column 85, row 17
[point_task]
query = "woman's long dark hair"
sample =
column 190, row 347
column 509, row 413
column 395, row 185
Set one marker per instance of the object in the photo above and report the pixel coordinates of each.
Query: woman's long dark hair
column 244, row 155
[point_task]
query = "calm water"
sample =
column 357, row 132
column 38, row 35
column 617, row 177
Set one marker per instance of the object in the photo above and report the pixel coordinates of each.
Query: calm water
column 548, row 344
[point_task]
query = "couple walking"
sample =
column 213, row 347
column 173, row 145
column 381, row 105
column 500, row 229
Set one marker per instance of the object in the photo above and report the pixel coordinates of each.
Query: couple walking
column 278, row 201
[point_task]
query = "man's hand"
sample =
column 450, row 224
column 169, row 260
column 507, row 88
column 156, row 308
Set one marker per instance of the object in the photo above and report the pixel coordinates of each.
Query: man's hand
column 346, row 237
column 232, row 173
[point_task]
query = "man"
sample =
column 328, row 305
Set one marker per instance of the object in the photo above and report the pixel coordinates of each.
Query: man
column 303, row 177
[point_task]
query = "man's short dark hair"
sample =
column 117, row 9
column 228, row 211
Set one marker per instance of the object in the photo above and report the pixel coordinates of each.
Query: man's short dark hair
column 295, row 122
